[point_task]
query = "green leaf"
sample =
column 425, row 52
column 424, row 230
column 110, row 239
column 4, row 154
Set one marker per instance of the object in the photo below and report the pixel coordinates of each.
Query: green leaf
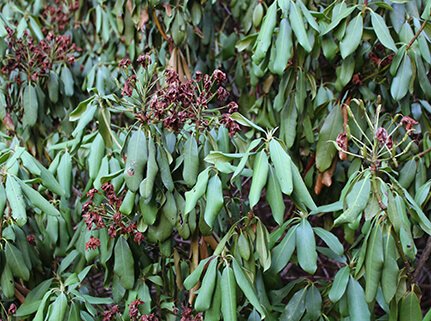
column 282, row 165
column 191, row 161
column 410, row 309
column 206, row 290
column 295, row 308
column 261, row 246
column 38, row 200
column 263, row 41
column 246, row 287
column 16, row 200
column 306, row 247
column 245, row 122
column 300, row 194
column 274, row 197
column 382, row 31
column 282, row 253
column 313, row 303
column 228, row 300
column 358, row 307
column 194, row 277
column 325, row 150
column 353, row 36
column 67, row 79
column 400, row 83
column 356, row 200
column 58, row 308
column 373, row 263
column 298, row 26
column 214, row 200
column 390, row 270
column 15, row 261
column 197, row 191
column 137, row 156
column 124, row 266
column 330, row 239
column 339, row 284
column 97, row 151
column 30, row 105
column 260, row 176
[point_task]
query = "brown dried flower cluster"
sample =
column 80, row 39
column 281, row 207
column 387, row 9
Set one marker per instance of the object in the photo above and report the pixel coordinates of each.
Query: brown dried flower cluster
column 194, row 101
column 107, row 215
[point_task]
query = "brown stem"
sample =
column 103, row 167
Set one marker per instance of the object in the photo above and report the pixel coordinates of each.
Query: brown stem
column 416, row 35
column 422, row 154
column 422, row 260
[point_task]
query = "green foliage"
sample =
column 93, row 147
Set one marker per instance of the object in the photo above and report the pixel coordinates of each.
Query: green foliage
column 210, row 160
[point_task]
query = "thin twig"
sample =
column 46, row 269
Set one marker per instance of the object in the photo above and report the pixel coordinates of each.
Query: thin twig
column 416, row 35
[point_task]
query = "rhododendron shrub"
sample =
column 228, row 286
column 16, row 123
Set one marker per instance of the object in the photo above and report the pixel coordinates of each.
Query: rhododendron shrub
column 212, row 160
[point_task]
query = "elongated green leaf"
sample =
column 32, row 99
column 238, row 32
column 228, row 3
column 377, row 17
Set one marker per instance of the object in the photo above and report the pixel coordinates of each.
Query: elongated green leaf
column 15, row 261
column 260, row 176
column 58, row 308
column 325, row 150
column 246, row 287
column 274, row 197
column 306, row 247
column 30, row 105
column 282, row 253
column 214, row 200
column 197, row 191
column 282, row 165
column 228, row 301
column 124, row 265
column 340, row 284
column 298, row 26
column 191, row 161
column 400, row 83
column 358, row 307
column 373, row 263
column 313, row 302
column 357, row 200
column 38, row 200
column 330, row 239
column 16, row 200
column 382, row 31
column 194, row 277
column 295, row 308
column 300, row 194
column 264, row 37
column 390, row 270
column 353, row 36
column 410, row 309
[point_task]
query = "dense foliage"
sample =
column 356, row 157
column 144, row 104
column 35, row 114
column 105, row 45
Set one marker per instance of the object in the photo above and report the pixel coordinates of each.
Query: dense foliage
column 215, row 160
